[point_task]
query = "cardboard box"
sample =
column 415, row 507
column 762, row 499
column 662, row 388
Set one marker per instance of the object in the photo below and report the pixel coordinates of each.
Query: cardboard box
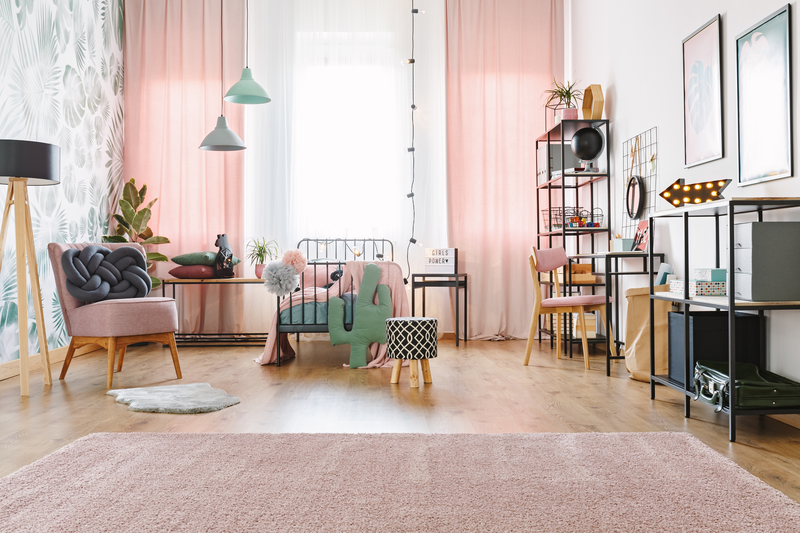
column 710, row 274
column 581, row 273
column 699, row 288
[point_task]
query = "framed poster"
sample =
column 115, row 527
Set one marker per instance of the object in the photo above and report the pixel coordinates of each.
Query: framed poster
column 702, row 95
column 764, row 100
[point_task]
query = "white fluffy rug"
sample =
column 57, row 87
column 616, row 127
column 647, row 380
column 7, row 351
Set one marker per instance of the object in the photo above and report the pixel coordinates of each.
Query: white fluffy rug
column 179, row 399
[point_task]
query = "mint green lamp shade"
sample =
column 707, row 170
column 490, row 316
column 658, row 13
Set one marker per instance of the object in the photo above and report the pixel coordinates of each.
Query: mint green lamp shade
column 222, row 138
column 247, row 91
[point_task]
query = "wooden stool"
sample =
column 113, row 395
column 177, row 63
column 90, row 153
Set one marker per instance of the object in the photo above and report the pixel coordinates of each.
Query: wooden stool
column 413, row 339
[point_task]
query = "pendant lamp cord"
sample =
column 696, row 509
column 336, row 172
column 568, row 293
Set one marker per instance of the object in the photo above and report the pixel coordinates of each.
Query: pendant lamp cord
column 247, row 35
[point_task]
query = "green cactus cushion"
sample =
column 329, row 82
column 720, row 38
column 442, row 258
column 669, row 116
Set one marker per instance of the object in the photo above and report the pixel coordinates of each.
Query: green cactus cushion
column 369, row 322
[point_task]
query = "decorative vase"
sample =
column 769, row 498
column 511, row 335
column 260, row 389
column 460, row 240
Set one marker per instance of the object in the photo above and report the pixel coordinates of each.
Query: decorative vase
column 570, row 113
column 259, row 270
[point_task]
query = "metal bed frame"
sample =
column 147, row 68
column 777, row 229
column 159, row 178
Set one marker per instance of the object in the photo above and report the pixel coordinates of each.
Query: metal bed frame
column 330, row 255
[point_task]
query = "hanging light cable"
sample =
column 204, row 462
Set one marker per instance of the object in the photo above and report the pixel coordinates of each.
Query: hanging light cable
column 222, row 138
column 247, row 90
column 413, row 62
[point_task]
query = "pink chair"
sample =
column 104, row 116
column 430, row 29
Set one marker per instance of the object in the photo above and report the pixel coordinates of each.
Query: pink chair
column 543, row 261
column 113, row 324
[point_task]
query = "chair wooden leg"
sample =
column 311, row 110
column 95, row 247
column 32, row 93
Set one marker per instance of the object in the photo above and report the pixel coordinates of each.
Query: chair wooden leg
column 173, row 348
column 558, row 335
column 121, row 357
column 68, row 359
column 610, row 333
column 584, row 340
column 413, row 365
column 426, row 370
column 531, row 335
column 112, row 351
column 398, row 364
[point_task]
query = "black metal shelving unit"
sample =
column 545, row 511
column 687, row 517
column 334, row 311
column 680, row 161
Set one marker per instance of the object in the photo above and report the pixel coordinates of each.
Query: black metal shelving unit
column 574, row 182
column 730, row 208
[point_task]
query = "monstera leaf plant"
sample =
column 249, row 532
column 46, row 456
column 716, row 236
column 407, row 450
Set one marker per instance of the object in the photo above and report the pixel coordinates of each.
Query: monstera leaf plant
column 132, row 224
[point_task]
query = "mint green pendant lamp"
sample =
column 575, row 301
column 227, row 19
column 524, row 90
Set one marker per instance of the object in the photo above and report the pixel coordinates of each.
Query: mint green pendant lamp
column 222, row 138
column 247, row 90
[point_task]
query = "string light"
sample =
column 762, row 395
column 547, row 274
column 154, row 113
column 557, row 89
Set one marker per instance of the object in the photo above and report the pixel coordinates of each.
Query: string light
column 411, row 61
column 694, row 194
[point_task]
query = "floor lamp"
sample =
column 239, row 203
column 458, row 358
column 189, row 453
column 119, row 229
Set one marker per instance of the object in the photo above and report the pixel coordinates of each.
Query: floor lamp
column 24, row 163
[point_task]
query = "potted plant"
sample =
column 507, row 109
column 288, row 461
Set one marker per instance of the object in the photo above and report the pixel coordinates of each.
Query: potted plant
column 564, row 94
column 132, row 224
column 259, row 250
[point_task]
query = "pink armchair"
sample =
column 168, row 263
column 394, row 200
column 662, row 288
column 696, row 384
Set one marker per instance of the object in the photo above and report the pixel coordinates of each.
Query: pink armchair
column 113, row 324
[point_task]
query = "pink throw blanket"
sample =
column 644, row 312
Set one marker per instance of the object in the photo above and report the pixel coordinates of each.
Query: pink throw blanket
column 391, row 275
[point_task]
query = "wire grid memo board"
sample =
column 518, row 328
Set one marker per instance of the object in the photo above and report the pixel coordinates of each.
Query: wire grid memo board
column 640, row 158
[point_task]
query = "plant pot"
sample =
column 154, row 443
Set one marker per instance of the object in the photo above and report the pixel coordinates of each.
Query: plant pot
column 259, row 270
column 570, row 113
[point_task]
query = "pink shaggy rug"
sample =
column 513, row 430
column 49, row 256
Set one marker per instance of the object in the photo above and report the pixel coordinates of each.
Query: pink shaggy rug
column 136, row 482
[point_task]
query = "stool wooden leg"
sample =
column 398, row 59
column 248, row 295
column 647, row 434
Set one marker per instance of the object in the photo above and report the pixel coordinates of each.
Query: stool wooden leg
column 398, row 364
column 426, row 370
column 413, row 365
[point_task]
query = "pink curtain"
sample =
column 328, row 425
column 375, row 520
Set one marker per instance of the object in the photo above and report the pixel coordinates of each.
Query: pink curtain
column 172, row 101
column 499, row 61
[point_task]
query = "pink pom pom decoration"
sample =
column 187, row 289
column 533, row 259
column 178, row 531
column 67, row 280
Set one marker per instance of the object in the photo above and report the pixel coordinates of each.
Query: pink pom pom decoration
column 296, row 259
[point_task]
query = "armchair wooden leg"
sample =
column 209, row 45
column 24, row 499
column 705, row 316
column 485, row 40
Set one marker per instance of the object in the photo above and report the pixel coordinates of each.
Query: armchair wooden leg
column 68, row 359
column 121, row 357
column 398, row 364
column 112, row 351
column 584, row 340
column 173, row 348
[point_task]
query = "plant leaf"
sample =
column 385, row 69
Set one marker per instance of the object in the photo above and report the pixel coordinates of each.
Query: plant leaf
column 150, row 205
column 127, row 210
column 155, row 256
column 114, row 238
column 130, row 194
column 120, row 230
column 140, row 220
column 146, row 234
column 156, row 240
column 142, row 192
column 155, row 281
column 124, row 223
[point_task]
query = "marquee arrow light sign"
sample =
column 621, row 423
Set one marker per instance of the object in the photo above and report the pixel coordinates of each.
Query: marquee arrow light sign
column 679, row 194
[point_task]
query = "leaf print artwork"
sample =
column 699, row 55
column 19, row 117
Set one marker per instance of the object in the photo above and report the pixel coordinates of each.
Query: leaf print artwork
column 699, row 96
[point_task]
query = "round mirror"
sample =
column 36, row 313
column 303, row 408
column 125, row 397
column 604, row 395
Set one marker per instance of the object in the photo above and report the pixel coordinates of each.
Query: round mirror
column 634, row 197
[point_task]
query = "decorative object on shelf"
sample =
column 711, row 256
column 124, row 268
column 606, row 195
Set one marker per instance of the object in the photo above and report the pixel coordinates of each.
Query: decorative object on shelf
column 634, row 197
column 222, row 138
column 699, row 288
column 585, row 219
column 132, row 225
column 200, row 258
column 552, row 159
column 441, row 260
column 639, row 160
column 764, row 105
column 23, row 163
column 224, row 261
column 247, row 90
column 259, row 250
column 664, row 270
column 702, row 95
column 640, row 240
column 621, row 245
column 711, row 274
column 96, row 273
column 755, row 388
column 369, row 319
column 193, row 272
column 679, row 194
column 564, row 94
column 588, row 143
column 593, row 102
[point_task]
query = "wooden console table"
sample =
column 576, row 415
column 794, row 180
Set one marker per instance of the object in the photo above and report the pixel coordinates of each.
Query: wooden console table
column 214, row 339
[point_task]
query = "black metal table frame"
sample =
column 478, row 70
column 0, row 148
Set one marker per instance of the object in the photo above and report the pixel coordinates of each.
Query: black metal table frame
column 454, row 281
column 217, row 339
column 610, row 285
column 723, row 208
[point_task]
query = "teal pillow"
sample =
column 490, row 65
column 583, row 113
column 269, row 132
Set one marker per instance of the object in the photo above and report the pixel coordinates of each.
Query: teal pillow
column 200, row 258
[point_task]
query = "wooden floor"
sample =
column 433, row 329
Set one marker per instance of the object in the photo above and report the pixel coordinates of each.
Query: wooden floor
column 479, row 387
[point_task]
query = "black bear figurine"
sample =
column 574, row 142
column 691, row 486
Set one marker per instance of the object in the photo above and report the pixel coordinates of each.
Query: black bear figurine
column 224, row 263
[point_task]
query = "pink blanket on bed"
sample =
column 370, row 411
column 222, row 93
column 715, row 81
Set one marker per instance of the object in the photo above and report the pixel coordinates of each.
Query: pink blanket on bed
column 391, row 275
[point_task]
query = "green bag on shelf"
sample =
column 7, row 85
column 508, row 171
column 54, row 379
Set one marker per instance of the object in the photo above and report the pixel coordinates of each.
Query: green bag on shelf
column 755, row 389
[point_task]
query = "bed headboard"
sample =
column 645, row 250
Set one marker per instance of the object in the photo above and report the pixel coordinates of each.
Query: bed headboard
column 347, row 249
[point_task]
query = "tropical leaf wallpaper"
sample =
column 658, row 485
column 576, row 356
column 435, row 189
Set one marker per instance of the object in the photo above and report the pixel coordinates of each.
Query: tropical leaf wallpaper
column 61, row 78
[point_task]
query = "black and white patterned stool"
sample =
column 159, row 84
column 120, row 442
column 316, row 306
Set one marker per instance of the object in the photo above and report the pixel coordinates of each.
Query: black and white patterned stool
column 413, row 339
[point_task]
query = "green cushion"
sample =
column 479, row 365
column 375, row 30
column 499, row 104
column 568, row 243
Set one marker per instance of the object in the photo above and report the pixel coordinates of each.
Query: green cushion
column 200, row 258
column 369, row 324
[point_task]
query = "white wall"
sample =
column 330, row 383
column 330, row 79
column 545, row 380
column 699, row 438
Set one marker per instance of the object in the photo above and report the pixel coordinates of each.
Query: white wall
column 633, row 49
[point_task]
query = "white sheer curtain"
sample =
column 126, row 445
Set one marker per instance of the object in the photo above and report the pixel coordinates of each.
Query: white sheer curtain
column 328, row 156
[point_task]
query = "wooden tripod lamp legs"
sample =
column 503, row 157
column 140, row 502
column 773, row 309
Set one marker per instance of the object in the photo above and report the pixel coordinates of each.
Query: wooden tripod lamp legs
column 17, row 196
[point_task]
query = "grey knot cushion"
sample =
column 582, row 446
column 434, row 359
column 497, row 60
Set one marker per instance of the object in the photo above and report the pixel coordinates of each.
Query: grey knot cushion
column 96, row 273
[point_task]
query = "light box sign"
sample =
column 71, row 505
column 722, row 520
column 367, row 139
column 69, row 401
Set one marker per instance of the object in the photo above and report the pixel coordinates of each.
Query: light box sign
column 441, row 260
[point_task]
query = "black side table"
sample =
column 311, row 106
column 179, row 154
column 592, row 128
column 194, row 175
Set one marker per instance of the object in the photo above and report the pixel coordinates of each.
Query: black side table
column 456, row 281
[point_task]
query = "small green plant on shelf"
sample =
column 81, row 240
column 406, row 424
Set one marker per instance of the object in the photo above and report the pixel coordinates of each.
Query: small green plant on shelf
column 563, row 93
column 132, row 224
column 259, row 250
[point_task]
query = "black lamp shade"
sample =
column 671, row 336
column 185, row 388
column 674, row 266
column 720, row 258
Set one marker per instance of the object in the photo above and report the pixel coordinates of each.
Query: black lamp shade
column 39, row 162
column 587, row 143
